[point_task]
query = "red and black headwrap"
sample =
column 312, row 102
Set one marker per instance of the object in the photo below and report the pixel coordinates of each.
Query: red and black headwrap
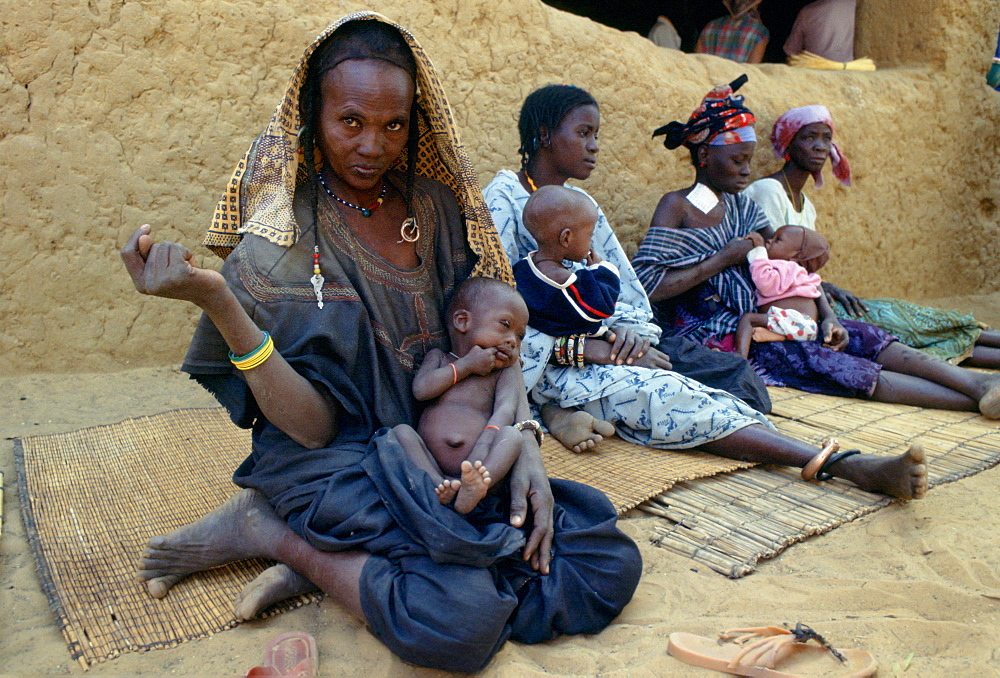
column 720, row 119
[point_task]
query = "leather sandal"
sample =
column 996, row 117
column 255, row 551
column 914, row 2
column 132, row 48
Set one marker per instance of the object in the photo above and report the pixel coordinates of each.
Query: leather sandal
column 771, row 652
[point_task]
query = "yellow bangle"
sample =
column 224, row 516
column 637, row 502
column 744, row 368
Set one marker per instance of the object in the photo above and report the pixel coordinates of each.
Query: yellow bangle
column 256, row 357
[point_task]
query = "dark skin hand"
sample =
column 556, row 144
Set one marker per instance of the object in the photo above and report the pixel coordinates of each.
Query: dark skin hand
column 599, row 352
column 852, row 304
column 530, row 490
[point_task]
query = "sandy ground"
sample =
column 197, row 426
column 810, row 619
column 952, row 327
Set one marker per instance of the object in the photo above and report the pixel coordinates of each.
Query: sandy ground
column 920, row 578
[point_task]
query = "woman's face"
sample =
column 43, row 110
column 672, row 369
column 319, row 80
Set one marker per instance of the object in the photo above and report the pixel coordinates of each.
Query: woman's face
column 727, row 168
column 811, row 146
column 573, row 144
column 364, row 120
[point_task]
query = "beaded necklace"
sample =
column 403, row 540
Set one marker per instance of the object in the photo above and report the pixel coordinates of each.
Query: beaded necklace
column 788, row 187
column 365, row 211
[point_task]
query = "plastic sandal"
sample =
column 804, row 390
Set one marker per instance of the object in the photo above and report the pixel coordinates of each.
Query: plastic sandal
column 290, row 655
column 771, row 652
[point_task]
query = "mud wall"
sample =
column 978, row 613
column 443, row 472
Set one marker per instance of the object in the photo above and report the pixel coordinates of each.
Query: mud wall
column 118, row 113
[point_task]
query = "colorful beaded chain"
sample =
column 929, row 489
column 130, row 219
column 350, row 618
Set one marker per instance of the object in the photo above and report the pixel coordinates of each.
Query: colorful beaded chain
column 365, row 211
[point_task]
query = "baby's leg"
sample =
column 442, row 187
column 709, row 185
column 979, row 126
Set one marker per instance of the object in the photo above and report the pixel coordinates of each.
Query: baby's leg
column 417, row 452
column 747, row 329
column 479, row 476
column 762, row 334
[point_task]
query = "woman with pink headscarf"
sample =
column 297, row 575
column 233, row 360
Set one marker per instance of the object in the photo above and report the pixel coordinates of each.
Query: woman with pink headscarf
column 803, row 138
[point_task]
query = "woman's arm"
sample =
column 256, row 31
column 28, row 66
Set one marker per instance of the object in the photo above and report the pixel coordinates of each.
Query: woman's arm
column 670, row 213
column 679, row 280
column 287, row 399
column 529, row 486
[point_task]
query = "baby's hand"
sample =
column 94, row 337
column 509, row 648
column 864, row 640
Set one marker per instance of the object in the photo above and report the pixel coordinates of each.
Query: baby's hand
column 756, row 238
column 593, row 258
column 481, row 360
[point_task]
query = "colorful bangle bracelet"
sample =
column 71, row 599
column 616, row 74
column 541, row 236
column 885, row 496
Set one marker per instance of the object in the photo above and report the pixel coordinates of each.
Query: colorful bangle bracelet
column 255, row 357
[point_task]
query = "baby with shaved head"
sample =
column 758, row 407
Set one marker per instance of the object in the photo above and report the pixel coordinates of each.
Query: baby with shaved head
column 565, row 300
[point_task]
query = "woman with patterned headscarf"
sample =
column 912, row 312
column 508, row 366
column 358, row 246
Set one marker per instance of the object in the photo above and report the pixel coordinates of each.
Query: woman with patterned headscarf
column 346, row 227
column 803, row 138
column 741, row 36
column 693, row 264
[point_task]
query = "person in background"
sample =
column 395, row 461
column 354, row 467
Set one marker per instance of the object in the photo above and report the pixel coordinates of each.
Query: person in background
column 825, row 28
column 740, row 37
column 664, row 34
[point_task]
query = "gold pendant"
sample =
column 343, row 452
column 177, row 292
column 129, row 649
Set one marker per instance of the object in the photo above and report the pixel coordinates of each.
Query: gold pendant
column 409, row 231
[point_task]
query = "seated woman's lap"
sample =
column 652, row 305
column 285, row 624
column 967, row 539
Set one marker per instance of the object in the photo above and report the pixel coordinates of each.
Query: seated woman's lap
column 724, row 371
column 810, row 366
column 446, row 591
column 455, row 617
column 660, row 408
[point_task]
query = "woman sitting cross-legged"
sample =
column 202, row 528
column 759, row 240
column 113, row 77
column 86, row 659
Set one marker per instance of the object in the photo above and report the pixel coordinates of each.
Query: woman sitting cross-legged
column 336, row 288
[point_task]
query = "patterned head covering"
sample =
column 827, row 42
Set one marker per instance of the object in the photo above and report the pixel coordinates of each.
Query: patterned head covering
column 720, row 119
column 788, row 125
column 258, row 197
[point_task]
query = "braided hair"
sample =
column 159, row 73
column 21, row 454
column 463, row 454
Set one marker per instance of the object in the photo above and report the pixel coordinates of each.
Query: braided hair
column 546, row 107
column 363, row 39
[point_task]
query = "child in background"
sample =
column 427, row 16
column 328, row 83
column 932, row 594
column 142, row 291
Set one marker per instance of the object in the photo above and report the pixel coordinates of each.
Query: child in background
column 466, row 439
column 570, row 304
column 789, row 297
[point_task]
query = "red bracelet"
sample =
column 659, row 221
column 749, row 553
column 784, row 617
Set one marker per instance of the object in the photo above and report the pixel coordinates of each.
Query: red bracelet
column 492, row 426
column 454, row 374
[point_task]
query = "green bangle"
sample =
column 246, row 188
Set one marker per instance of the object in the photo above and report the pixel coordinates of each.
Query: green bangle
column 233, row 358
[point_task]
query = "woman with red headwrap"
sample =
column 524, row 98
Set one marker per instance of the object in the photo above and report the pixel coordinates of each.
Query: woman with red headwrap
column 803, row 137
column 693, row 266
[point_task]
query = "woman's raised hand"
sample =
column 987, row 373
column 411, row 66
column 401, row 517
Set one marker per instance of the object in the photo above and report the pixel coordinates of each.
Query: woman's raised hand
column 164, row 269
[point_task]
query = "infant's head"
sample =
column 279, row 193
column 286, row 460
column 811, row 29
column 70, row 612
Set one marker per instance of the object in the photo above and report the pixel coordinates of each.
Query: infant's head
column 488, row 313
column 562, row 222
column 799, row 244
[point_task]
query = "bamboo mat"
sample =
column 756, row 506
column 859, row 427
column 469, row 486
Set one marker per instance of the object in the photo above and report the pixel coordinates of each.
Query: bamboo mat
column 92, row 498
column 730, row 522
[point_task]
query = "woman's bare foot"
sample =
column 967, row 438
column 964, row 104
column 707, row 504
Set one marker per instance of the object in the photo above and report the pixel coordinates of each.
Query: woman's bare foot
column 243, row 527
column 475, row 483
column 271, row 586
column 575, row 429
column 989, row 404
column 447, row 490
column 903, row 477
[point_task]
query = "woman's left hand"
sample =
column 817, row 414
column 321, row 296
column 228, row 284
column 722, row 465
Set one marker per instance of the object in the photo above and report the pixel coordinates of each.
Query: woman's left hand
column 626, row 346
column 853, row 305
column 834, row 334
column 529, row 485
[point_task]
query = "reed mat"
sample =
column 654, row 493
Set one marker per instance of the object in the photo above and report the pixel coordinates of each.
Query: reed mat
column 92, row 498
column 732, row 521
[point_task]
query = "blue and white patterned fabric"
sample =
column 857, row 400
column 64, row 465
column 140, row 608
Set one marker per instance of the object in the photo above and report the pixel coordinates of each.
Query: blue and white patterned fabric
column 649, row 407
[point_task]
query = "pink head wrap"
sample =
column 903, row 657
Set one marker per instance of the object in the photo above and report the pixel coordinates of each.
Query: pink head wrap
column 788, row 125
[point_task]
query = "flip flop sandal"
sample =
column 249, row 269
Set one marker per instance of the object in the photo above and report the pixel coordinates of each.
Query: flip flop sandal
column 771, row 652
column 290, row 655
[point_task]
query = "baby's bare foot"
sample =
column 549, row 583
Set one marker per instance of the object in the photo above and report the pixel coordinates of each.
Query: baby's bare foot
column 271, row 586
column 903, row 477
column 576, row 429
column 475, row 483
column 447, row 490
column 243, row 527
column 762, row 335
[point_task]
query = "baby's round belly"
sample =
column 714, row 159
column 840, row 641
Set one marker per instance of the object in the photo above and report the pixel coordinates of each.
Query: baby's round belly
column 450, row 431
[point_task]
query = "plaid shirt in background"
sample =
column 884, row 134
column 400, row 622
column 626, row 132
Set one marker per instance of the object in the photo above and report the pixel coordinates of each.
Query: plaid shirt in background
column 733, row 38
